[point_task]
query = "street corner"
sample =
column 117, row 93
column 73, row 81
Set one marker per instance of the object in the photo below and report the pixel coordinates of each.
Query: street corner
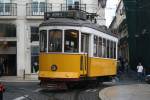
column 126, row 92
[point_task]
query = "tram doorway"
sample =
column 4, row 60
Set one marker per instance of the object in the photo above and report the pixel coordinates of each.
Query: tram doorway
column 85, row 51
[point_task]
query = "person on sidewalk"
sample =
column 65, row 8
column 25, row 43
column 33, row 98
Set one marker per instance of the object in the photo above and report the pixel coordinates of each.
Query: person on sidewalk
column 140, row 71
column 1, row 68
column 2, row 89
column 126, row 65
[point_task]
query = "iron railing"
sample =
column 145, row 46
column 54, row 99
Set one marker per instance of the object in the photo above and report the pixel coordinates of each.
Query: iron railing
column 37, row 9
column 81, row 7
column 8, row 9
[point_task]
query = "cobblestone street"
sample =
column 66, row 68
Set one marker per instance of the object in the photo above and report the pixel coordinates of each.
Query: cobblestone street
column 125, row 88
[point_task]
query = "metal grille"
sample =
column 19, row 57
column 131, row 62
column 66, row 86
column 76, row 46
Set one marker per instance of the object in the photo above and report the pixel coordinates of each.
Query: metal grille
column 8, row 9
column 38, row 9
column 81, row 7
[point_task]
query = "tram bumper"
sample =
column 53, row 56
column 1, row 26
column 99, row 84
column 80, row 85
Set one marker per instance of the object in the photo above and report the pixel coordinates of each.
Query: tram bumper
column 61, row 75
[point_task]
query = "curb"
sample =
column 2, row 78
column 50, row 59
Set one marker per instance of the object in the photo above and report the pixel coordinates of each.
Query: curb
column 102, row 94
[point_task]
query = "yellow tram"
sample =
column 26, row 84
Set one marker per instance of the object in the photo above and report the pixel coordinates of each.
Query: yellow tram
column 74, row 50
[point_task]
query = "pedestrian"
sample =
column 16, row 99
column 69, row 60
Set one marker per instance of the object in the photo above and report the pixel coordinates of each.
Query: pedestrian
column 126, row 65
column 1, row 67
column 119, row 70
column 122, row 64
column 36, row 67
column 140, row 71
column 2, row 89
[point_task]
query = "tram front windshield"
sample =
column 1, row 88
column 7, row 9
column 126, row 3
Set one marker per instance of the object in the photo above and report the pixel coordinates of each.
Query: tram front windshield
column 71, row 41
column 54, row 41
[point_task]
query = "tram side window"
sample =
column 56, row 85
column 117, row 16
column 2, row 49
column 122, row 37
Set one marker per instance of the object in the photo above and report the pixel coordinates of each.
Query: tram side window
column 108, row 48
column 95, row 51
column 111, row 49
column 114, row 50
column 71, row 43
column 43, row 40
column 104, row 49
column 100, row 47
column 84, row 42
column 55, row 41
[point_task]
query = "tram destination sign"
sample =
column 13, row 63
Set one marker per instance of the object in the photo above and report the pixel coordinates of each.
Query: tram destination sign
column 65, row 14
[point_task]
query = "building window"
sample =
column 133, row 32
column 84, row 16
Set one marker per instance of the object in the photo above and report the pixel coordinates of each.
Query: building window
column 7, row 30
column 43, row 41
column 34, row 59
column 72, row 1
column 34, row 33
column 38, row 7
column 55, row 41
column 5, row 7
column 71, row 41
column 73, row 4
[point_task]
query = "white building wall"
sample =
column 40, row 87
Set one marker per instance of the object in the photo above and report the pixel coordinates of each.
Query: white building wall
column 92, row 7
column 119, row 17
column 56, row 4
column 21, row 45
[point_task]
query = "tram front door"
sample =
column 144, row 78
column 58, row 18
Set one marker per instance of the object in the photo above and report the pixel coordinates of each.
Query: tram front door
column 85, row 51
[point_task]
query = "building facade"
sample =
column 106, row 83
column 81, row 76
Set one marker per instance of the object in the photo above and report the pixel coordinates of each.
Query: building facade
column 19, row 21
column 119, row 27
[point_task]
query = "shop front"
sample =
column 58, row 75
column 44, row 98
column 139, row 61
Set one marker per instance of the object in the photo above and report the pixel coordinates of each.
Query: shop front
column 8, row 49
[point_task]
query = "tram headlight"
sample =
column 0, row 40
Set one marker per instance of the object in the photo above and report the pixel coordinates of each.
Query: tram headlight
column 53, row 67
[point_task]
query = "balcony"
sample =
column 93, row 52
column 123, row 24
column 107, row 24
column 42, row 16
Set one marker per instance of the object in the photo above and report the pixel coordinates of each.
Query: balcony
column 8, row 10
column 36, row 10
column 81, row 7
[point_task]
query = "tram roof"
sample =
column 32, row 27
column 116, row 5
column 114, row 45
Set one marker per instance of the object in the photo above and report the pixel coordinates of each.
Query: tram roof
column 75, row 22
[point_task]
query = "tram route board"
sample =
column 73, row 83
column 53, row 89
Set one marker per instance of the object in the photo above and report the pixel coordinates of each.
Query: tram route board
column 65, row 14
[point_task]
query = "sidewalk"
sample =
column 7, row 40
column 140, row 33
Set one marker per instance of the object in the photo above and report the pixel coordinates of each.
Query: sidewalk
column 18, row 79
column 126, row 92
column 127, row 88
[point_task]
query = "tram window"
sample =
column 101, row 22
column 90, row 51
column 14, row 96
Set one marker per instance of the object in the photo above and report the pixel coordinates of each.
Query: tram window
column 84, row 43
column 104, row 50
column 71, row 43
column 100, row 47
column 43, row 40
column 114, row 50
column 95, row 46
column 111, row 49
column 108, row 48
column 55, row 41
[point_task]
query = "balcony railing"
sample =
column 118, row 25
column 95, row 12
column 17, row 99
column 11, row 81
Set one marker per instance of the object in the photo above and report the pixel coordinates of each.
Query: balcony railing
column 37, row 9
column 81, row 7
column 8, row 9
